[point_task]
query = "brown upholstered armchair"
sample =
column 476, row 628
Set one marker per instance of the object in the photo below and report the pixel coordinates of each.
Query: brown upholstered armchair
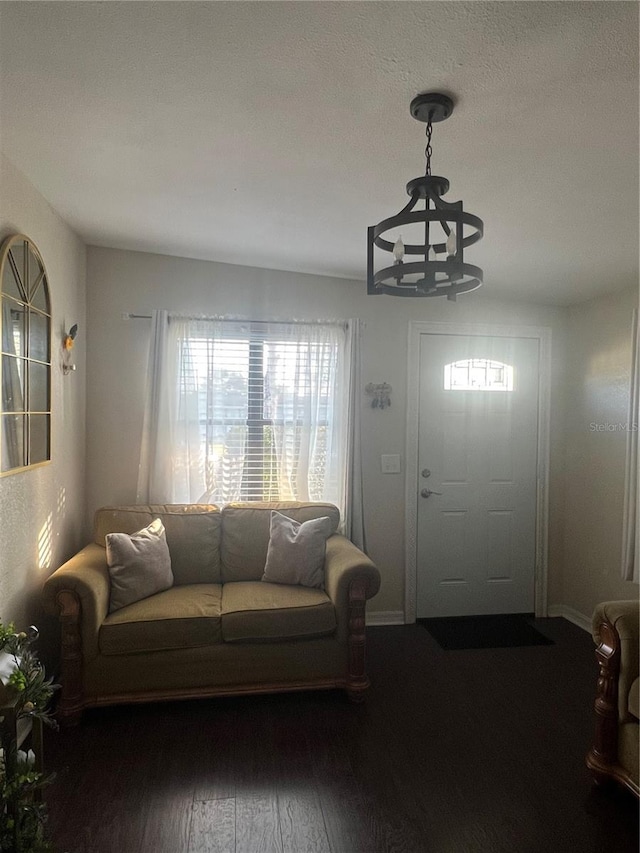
column 614, row 754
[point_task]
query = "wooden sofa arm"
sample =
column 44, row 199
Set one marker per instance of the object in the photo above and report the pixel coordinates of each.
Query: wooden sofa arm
column 350, row 579
column 78, row 593
column 616, row 625
column 616, row 630
column 86, row 577
column 344, row 565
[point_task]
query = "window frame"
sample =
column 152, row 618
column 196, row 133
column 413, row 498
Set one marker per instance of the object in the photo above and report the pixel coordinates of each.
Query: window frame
column 27, row 304
column 487, row 364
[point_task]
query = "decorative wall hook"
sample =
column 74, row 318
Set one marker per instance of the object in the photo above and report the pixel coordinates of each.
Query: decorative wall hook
column 381, row 394
column 67, row 347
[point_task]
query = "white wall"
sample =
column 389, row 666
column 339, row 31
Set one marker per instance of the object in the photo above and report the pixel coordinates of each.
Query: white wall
column 44, row 516
column 122, row 281
column 42, row 510
column 599, row 365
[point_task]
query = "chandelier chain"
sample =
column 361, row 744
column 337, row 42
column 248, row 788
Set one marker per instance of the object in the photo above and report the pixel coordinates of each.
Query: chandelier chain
column 428, row 151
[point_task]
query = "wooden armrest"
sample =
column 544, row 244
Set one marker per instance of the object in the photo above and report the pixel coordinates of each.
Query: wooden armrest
column 346, row 565
column 615, row 631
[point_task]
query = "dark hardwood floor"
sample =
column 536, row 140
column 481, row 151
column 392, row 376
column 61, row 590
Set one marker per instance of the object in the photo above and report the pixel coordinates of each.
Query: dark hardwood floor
column 453, row 752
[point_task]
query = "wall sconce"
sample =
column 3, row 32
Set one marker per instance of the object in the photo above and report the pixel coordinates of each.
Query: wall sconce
column 381, row 394
column 67, row 347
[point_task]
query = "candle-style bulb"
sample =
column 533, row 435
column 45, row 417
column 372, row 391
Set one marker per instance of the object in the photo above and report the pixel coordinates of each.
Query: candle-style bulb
column 432, row 254
column 451, row 243
column 398, row 249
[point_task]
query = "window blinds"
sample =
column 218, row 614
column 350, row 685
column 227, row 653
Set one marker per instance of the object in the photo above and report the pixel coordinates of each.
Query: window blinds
column 265, row 400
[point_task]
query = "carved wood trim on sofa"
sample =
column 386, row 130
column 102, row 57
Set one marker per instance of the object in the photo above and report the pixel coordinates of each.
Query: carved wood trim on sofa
column 602, row 758
column 71, row 703
column 358, row 681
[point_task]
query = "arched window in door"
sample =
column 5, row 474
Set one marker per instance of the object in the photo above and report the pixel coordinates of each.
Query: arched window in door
column 478, row 374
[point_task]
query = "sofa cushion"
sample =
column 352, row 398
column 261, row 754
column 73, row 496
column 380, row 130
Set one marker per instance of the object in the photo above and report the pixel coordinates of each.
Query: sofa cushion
column 634, row 699
column 270, row 612
column 139, row 565
column 192, row 530
column 245, row 534
column 178, row 618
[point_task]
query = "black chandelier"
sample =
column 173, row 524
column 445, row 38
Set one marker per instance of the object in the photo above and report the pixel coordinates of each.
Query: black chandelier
column 439, row 233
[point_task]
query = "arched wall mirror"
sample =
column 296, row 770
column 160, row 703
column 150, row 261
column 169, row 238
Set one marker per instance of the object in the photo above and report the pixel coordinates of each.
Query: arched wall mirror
column 25, row 333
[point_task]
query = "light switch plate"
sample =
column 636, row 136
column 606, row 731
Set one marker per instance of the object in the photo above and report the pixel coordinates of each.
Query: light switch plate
column 390, row 463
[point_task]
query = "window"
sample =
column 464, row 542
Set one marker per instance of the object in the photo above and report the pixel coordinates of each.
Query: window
column 478, row 374
column 264, row 406
column 25, row 320
column 259, row 412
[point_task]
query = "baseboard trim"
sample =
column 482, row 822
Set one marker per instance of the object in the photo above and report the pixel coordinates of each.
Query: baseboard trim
column 385, row 617
column 571, row 615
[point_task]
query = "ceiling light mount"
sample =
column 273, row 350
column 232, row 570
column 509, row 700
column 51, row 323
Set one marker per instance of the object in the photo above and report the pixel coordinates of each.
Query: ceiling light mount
column 438, row 234
column 431, row 107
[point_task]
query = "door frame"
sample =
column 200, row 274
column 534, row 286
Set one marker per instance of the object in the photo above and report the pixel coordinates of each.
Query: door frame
column 543, row 335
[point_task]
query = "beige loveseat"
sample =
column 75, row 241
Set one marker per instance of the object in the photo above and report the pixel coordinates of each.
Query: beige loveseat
column 219, row 630
column 616, row 748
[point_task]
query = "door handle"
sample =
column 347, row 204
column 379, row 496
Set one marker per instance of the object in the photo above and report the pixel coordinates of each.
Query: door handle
column 426, row 493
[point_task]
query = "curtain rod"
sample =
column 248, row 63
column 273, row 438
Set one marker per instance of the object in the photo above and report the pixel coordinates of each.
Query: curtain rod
column 129, row 316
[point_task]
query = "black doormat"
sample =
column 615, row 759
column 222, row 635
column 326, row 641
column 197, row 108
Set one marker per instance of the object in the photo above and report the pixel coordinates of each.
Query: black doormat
column 485, row 632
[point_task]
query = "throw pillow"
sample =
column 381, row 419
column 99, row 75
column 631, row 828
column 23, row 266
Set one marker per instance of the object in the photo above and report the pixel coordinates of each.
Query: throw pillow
column 139, row 564
column 296, row 550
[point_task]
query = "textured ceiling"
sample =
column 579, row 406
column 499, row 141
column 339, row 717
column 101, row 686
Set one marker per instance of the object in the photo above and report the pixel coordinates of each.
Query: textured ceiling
column 272, row 134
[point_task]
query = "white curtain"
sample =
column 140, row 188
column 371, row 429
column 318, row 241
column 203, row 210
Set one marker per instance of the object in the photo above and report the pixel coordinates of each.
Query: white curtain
column 171, row 465
column 239, row 410
column 631, row 525
column 156, row 424
column 354, row 501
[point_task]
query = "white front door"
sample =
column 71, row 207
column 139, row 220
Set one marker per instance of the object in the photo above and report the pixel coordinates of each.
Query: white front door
column 478, row 439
